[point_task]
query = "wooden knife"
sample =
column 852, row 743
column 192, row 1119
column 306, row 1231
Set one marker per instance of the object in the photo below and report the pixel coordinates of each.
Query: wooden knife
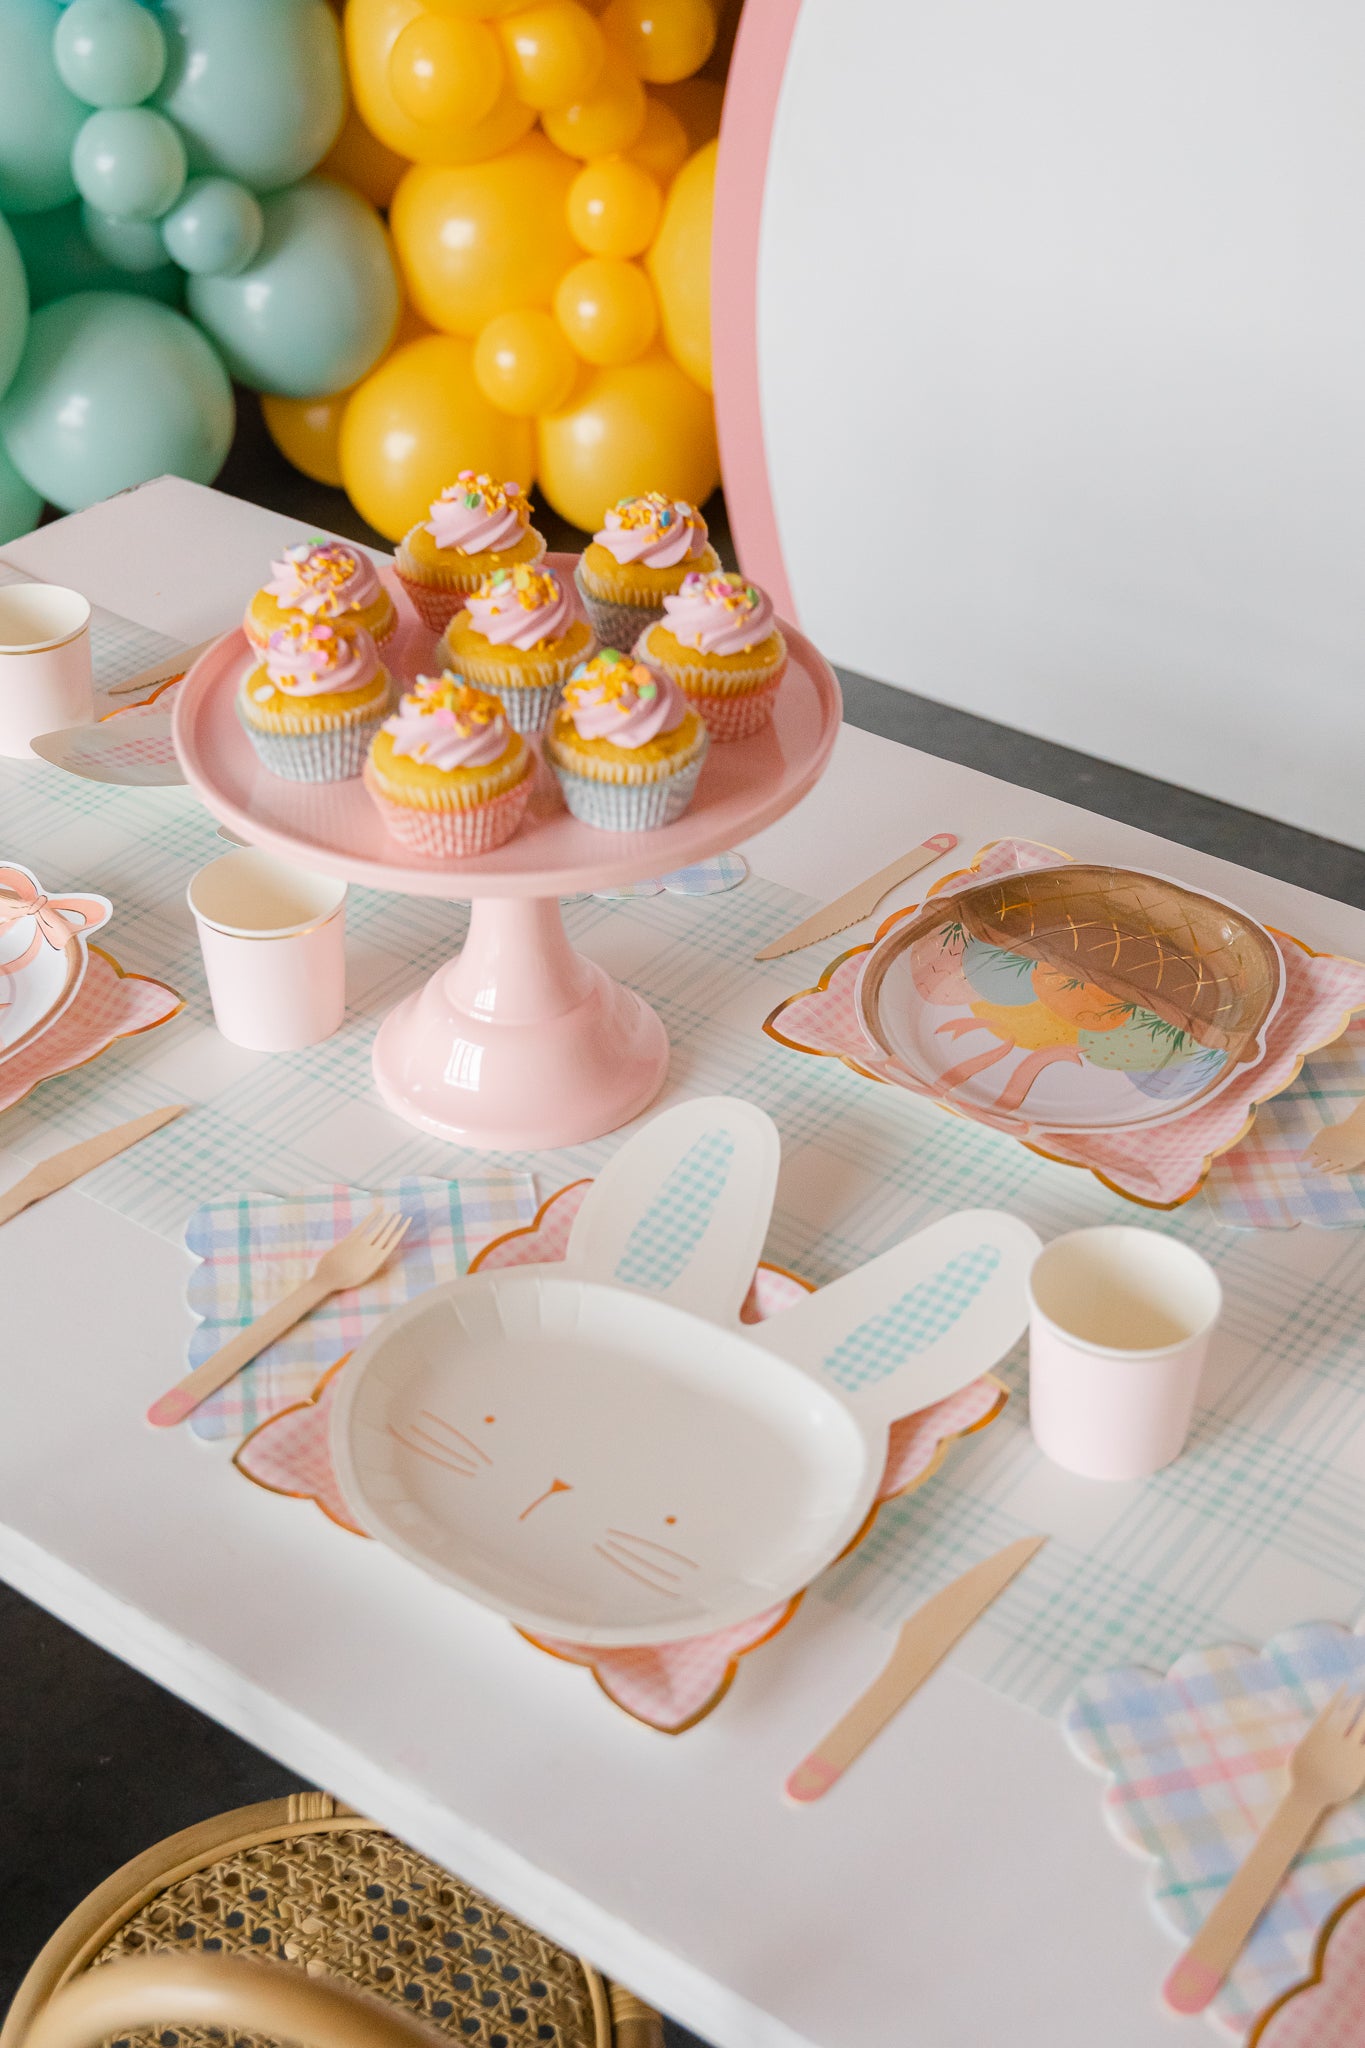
column 925, row 1639
column 64, row 1167
column 860, row 902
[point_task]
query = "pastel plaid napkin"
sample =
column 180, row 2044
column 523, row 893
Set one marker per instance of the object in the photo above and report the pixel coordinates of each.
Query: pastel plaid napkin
column 252, row 1249
column 704, row 878
column 1195, row 1763
column 1265, row 1183
column 1327, row 2011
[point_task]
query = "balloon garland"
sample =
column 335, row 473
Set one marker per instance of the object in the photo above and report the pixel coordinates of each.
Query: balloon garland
column 186, row 197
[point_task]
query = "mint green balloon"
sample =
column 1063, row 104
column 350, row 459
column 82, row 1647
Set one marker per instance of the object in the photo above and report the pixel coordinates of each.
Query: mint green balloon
column 110, row 53
column 215, row 227
column 60, row 258
column 13, row 306
column 319, row 305
column 129, row 161
column 20, row 504
column 257, row 87
column 112, row 391
column 132, row 246
column 39, row 118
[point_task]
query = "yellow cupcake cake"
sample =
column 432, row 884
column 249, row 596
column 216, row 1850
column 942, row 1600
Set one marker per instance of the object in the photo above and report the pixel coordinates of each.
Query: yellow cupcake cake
column 447, row 772
column 624, row 746
column 519, row 636
column 315, row 701
column 473, row 528
column 646, row 547
column 719, row 641
column 322, row 579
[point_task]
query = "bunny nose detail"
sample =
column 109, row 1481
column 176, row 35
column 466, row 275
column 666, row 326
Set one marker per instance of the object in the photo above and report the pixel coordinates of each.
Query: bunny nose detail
column 555, row 1486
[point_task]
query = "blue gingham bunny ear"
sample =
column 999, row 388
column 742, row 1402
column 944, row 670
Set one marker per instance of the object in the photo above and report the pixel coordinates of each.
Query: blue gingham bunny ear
column 682, row 1210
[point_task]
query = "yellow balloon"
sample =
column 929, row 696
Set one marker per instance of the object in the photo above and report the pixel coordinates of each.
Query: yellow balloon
column 661, row 147
column 307, row 430
column 662, row 40
column 555, row 53
column 614, row 207
column 372, row 28
column 360, row 159
column 414, row 423
column 469, row 10
column 445, row 72
column 697, row 103
column 641, row 427
column 608, row 120
column 606, row 308
column 680, row 265
column 523, row 363
column 474, row 240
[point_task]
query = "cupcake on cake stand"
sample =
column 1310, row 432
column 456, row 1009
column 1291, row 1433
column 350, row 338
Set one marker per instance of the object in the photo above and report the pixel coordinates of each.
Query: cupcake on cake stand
column 519, row 1042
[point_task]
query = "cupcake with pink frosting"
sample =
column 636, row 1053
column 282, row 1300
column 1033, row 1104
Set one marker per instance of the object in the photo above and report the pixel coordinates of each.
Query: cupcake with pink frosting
column 646, row 547
column 719, row 641
column 316, row 700
column 473, row 528
column 328, row 580
column 519, row 635
column 625, row 747
column 450, row 777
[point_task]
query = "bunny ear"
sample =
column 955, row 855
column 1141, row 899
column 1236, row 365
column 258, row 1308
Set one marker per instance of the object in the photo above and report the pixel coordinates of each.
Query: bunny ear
column 84, row 913
column 683, row 1208
column 916, row 1324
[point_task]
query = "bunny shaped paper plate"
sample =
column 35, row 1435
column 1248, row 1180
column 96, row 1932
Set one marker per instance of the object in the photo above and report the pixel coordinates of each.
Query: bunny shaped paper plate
column 599, row 1450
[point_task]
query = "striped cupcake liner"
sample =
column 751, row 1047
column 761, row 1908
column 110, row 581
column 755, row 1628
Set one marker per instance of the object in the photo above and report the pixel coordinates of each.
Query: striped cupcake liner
column 335, row 755
column 629, row 806
column 451, row 834
column 435, row 606
column 736, row 717
column 617, row 625
column 529, row 709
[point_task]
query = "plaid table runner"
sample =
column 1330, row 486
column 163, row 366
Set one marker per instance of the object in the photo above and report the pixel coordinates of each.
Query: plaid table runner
column 1262, row 1523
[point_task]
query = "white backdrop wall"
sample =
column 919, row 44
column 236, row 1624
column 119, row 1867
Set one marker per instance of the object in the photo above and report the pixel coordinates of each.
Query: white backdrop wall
column 1061, row 347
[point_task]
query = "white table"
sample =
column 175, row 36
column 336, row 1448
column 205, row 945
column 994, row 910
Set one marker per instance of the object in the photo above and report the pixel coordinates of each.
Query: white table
column 961, row 1888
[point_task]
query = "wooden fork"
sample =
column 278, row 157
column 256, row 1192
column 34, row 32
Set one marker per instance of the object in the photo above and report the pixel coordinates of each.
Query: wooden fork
column 1341, row 1147
column 1325, row 1770
column 356, row 1259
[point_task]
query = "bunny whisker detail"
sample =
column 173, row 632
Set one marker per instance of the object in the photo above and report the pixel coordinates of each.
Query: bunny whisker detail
column 646, row 1564
column 639, row 1576
column 419, row 1451
column 647, row 1543
column 467, row 1441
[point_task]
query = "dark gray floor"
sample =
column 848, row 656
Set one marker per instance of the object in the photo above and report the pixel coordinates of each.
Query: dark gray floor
column 95, row 1761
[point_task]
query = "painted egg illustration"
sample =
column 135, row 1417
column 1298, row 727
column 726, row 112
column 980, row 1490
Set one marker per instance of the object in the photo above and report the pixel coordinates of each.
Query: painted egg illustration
column 936, row 967
column 997, row 976
column 1181, row 1078
column 1028, row 1024
column 1087, row 1005
column 1141, row 1046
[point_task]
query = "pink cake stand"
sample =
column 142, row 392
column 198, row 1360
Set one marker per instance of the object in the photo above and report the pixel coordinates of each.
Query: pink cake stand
column 519, row 1043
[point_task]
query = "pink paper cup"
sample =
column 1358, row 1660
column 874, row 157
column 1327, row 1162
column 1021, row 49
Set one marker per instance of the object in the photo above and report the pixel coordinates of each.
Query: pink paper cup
column 45, row 675
column 1119, row 1327
column 273, row 939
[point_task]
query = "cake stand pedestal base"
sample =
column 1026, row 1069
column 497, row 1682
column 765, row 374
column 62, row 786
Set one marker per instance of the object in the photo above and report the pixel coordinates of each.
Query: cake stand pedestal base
column 519, row 1043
